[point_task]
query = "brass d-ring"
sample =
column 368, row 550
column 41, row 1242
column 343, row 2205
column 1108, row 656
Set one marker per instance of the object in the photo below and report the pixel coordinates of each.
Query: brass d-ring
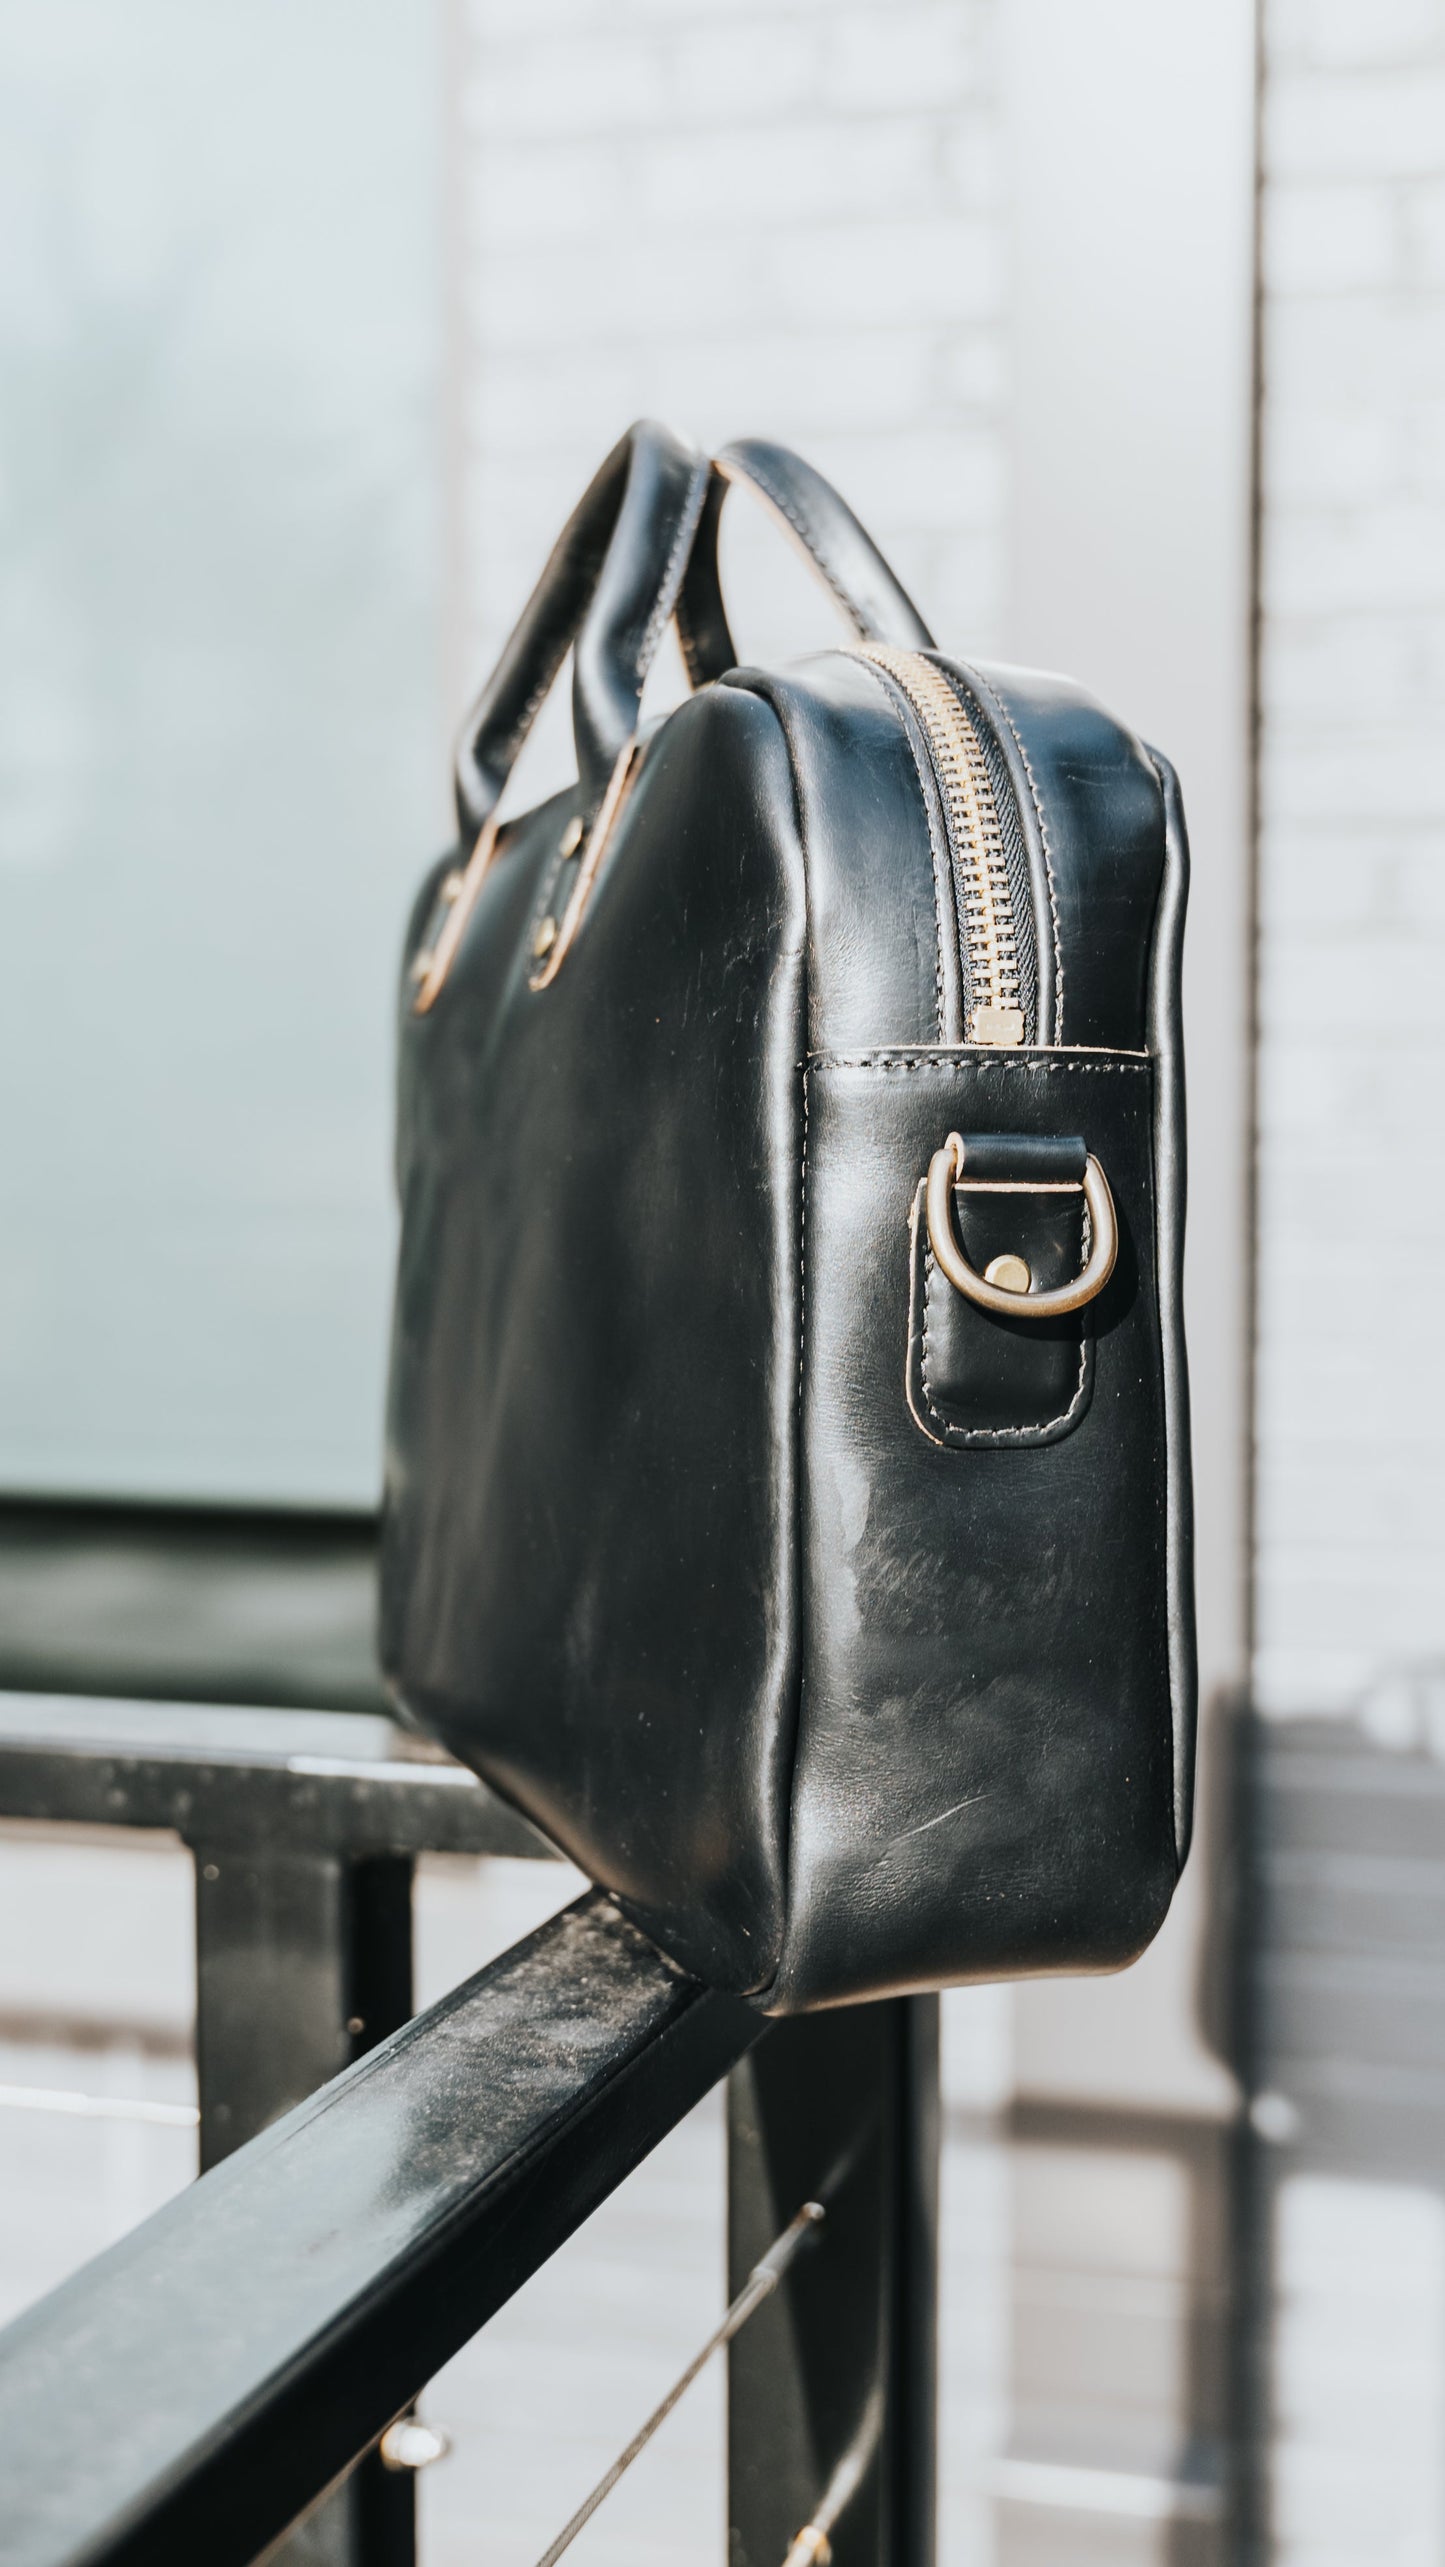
column 945, row 1170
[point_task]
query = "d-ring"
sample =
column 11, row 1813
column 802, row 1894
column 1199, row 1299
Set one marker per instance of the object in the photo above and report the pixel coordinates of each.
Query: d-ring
column 945, row 1169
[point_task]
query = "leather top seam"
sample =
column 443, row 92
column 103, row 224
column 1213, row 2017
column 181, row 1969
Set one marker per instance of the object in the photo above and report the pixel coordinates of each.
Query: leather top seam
column 747, row 684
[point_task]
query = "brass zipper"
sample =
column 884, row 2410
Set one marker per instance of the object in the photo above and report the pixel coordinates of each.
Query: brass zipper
column 996, row 1013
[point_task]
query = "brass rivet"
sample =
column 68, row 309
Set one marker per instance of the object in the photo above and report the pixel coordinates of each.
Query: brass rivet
column 420, row 964
column 545, row 938
column 1009, row 1273
column 572, row 835
column 452, row 884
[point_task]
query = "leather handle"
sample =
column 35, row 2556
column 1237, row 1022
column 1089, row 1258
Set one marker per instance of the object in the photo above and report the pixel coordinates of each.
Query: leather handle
column 610, row 588
column 837, row 547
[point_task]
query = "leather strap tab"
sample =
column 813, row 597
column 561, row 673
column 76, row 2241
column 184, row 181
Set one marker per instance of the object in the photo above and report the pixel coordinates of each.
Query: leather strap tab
column 1023, row 1158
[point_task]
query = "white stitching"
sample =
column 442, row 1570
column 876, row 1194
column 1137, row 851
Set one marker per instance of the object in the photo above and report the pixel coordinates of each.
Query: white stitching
column 1032, row 1063
column 997, row 701
column 937, row 856
column 954, row 1435
column 803, row 1255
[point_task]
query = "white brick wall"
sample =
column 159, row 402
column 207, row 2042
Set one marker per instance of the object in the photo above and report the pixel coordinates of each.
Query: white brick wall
column 779, row 218
column 1351, row 1411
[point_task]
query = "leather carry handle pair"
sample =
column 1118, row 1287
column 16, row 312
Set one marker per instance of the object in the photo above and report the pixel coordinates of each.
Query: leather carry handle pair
column 836, row 547
column 641, row 546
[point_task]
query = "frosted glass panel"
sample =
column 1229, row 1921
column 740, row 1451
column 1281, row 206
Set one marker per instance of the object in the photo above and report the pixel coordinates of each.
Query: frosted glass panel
column 220, row 730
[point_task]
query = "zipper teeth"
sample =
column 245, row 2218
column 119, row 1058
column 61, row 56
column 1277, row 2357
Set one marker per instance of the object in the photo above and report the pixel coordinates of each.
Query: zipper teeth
column 973, row 824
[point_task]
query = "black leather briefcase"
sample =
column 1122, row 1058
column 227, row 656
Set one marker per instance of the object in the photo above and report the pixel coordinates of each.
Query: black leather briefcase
column 787, row 1498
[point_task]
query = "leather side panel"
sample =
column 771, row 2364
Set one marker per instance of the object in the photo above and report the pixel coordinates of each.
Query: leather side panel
column 1092, row 802
column 1166, row 1037
column 600, row 1266
column 883, row 940
column 985, row 1773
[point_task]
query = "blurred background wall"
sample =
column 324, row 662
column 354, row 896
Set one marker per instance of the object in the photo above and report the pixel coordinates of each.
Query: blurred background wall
column 220, row 724
column 1121, row 327
column 1349, row 1867
column 1351, row 1602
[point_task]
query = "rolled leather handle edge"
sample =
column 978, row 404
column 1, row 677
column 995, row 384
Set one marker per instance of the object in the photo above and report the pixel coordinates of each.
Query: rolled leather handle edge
column 635, row 598
column 609, row 586
column 836, row 544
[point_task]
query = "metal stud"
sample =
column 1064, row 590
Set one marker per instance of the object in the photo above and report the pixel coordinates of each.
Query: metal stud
column 545, row 938
column 572, row 836
column 1010, row 1274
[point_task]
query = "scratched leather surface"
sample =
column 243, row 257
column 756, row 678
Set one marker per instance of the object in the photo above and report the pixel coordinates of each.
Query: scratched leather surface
column 982, row 1762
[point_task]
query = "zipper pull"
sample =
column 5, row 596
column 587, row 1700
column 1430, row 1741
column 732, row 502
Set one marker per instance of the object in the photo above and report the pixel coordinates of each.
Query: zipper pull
column 997, row 1025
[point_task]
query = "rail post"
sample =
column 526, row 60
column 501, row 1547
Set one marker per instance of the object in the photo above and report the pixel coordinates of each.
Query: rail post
column 832, row 2389
column 303, row 1963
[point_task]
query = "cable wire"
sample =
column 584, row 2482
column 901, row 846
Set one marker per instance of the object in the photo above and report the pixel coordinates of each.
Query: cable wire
column 813, row 2546
column 760, row 2285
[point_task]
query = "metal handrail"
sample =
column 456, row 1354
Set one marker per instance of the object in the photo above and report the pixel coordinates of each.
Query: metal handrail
column 222, row 2369
column 224, row 2363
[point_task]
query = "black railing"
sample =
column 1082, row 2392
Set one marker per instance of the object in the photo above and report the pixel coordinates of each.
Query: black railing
column 225, row 2372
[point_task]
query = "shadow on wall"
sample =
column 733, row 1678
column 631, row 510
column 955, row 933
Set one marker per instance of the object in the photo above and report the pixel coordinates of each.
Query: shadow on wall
column 1229, row 2343
column 1344, row 1949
